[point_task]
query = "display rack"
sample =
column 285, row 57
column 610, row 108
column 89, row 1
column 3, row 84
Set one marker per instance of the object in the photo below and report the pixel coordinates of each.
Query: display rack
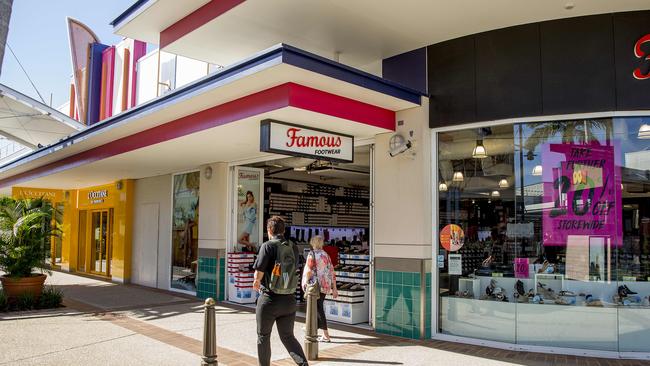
column 351, row 306
column 241, row 276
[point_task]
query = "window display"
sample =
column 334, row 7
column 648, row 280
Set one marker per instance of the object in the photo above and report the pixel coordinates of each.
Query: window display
column 185, row 231
column 548, row 214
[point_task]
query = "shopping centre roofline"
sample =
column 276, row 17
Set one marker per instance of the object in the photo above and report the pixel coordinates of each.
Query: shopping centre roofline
column 278, row 55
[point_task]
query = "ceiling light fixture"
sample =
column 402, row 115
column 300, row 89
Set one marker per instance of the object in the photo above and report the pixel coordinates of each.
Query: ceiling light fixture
column 300, row 169
column 479, row 151
column 537, row 170
column 644, row 131
column 503, row 183
column 442, row 187
column 496, row 194
column 458, row 177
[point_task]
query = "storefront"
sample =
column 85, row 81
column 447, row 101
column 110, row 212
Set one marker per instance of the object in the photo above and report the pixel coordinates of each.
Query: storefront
column 64, row 203
column 323, row 190
column 95, row 228
column 541, row 187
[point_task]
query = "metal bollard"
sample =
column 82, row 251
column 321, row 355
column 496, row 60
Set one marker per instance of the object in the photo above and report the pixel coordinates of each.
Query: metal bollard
column 209, row 357
column 311, row 326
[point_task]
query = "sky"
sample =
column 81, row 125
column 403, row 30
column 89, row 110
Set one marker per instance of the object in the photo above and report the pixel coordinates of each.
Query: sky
column 38, row 35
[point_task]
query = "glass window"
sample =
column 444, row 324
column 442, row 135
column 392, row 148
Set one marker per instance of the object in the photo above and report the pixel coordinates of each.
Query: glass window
column 545, row 233
column 185, row 231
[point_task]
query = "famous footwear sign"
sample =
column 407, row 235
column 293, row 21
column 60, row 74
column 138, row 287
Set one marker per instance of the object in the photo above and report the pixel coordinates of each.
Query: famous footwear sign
column 289, row 139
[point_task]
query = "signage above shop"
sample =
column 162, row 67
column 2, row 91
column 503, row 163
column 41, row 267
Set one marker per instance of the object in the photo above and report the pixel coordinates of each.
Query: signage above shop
column 99, row 196
column 639, row 53
column 289, row 139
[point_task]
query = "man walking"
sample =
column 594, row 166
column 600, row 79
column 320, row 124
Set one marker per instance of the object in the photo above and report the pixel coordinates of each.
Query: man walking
column 276, row 279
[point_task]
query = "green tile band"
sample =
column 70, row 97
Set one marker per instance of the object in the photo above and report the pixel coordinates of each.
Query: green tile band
column 397, row 303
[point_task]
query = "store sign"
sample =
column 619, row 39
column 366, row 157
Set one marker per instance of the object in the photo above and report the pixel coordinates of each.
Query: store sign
column 95, row 197
column 639, row 53
column 288, row 139
column 581, row 183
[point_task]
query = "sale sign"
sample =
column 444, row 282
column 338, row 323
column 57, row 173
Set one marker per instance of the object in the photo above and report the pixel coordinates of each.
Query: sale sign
column 580, row 181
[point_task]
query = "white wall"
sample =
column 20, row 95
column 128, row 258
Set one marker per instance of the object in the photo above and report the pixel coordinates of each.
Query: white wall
column 213, row 212
column 403, row 190
column 147, row 78
column 148, row 193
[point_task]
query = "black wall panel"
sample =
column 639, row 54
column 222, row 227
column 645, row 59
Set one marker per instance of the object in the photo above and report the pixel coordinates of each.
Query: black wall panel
column 451, row 70
column 508, row 80
column 574, row 65
column 628, row 29
column 408, row 69
column 578, row 65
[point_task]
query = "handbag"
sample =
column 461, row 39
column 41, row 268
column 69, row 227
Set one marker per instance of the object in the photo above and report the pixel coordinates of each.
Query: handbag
column 313, row 288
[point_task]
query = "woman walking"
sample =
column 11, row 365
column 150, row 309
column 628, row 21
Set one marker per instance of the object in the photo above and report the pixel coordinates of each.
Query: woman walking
column 319, row 269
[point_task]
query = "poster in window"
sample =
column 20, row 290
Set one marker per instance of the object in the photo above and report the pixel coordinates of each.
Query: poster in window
column 249, row 206
column 583, row 190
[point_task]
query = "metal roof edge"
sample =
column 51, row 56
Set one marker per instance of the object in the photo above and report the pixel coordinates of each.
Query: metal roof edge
column 130, row 10
column 337, row 70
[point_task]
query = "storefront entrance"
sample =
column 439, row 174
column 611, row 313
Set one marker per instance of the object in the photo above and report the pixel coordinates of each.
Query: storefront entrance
column 100, row 239
column 316, row 198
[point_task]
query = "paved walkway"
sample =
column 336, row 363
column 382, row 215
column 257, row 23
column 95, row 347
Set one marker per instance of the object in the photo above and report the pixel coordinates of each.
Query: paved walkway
column 110, row 324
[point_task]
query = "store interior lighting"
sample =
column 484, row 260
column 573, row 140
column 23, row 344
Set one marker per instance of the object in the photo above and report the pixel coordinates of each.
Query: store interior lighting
column 442, row 187
column 503, row 183
column 479, row 151
column 496, row 194
column 458, row 177
column 644, row 131
column 537, row 170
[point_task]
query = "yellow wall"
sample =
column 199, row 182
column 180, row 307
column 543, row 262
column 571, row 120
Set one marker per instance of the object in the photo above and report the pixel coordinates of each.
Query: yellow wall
column 87, row 199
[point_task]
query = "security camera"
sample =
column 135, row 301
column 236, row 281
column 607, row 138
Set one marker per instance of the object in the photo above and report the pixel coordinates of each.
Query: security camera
column 393, row 152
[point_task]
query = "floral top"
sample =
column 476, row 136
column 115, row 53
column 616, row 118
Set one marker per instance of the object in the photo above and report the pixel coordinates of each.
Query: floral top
column 319, row 260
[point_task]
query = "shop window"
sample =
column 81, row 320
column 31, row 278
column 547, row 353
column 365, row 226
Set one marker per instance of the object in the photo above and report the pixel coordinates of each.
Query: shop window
column 185, row 230
column 545, row 233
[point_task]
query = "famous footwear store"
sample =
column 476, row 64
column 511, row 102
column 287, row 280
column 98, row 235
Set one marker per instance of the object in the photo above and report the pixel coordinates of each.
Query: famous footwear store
column 284, row 132
column 541, row 185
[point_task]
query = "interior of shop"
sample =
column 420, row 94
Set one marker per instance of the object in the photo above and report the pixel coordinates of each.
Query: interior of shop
column 316, row 198
column 545, row 214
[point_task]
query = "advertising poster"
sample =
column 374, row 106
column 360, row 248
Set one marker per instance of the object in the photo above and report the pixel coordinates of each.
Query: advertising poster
column 581, row 183
column 249, row 208
column 452, row 237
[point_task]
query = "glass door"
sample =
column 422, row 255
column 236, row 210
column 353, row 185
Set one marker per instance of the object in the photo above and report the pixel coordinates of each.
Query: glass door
column 100, row 241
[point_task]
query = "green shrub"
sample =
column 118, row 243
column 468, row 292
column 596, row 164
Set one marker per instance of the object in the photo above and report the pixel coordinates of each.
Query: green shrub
column 51, row 298
column 25, row 301
column 4, row 302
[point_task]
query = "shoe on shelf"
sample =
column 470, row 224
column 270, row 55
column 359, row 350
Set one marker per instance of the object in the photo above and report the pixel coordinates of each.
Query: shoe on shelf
column 622, row 292
column 629, row 292
column 519, row 287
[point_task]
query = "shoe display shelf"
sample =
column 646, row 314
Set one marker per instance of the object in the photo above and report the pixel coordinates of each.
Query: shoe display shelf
column 351, row 306
column 240, row 278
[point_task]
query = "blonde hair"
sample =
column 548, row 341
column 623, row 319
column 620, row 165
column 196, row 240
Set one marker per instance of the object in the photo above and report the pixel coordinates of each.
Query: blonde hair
column 316, row 242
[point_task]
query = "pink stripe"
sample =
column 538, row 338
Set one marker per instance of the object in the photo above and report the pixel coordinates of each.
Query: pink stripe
column 196, row 19
column 139, row 50
column 280, row 96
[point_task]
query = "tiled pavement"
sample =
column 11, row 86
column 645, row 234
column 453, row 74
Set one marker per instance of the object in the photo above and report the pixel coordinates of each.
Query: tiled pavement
column 356, row 347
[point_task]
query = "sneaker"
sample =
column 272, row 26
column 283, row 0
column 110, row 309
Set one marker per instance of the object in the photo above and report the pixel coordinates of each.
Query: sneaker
column 629, row 292
column 324, row 340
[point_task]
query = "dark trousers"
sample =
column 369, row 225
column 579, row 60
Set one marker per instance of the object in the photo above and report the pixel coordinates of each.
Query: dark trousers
column 279, row 309
column 322, row 321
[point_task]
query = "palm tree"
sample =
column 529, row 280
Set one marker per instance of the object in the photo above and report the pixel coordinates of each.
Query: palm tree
column 579, row 132
column 26, row 229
